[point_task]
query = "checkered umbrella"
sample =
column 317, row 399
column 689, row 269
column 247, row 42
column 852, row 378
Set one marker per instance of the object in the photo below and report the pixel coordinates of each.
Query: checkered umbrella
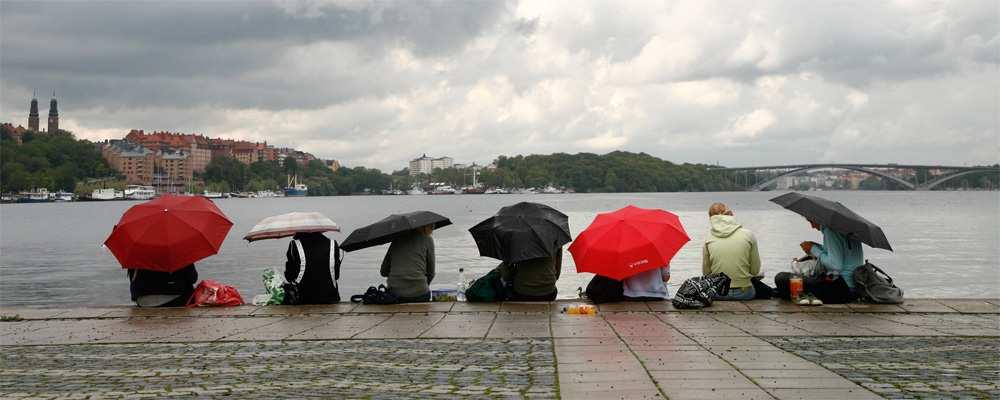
column 285, row 225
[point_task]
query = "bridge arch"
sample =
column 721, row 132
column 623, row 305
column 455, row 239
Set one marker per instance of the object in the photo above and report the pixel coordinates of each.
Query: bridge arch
column 769, row 182
column 929, row 185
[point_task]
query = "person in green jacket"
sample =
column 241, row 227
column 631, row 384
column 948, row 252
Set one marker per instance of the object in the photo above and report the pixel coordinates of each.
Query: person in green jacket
column 533, row 280
column 409, row 266
column 732, row 250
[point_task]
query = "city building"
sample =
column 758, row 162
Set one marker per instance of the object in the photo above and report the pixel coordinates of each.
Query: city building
column 53, row 115
column 33, row 115
column 17, row 133
column 131, row 160
column 195, row 145
column 426, row 165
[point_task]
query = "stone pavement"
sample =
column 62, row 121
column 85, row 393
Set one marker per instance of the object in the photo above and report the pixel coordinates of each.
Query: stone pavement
column 740, row 350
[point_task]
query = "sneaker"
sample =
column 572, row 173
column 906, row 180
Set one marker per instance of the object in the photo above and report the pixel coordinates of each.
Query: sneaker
column 815, row 302
column 804, row 300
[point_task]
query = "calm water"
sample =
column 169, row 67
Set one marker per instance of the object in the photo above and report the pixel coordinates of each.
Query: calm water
column 947, row 243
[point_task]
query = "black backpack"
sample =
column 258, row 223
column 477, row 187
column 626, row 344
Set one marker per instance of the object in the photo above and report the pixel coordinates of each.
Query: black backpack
column 873, row 285
column 605, row 290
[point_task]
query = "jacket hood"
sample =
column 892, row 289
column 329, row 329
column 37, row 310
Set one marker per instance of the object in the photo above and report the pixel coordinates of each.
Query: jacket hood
column 724, row 225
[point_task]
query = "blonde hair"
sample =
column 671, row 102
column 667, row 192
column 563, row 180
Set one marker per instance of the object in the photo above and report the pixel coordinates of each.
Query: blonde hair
column 719, row 209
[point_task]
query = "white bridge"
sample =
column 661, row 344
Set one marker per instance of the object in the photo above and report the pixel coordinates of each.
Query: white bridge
column 764, row 177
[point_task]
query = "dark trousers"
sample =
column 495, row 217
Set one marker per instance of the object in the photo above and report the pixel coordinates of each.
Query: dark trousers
column 415, row 299
column 523, row 297
column 831, row 291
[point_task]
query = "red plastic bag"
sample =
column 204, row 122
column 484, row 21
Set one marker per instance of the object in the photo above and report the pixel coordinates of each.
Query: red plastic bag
column 212, row 293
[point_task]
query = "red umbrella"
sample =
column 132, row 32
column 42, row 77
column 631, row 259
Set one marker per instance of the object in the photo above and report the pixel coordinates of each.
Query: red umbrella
column 168, row 233
column 628, row 241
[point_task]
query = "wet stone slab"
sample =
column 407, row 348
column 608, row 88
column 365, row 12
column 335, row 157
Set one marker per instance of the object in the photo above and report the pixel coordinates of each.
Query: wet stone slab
column 908, row 367
column 432, row 369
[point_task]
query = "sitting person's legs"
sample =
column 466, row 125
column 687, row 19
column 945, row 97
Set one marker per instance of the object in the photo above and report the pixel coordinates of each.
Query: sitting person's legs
column 831, row 291
column 781, row 289
column 521, row 297
column 735, row 294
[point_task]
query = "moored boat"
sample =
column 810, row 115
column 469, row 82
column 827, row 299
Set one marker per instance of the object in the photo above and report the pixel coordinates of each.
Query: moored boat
column 36, row 196
column 139, row 192
column 294, row 188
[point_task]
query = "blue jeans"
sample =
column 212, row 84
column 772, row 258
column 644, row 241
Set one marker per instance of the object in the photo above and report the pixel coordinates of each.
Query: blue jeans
column 746, row 293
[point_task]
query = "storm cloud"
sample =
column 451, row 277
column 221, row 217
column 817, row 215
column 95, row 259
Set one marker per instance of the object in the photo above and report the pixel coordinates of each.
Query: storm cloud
column 377, row 83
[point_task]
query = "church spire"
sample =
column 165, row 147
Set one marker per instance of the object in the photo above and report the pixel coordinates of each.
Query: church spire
column 33, row 114
column 53, row 114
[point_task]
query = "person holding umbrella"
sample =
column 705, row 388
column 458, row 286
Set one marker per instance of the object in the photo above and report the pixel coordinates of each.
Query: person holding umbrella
column 308, row 244
column 528, row 238
column 629, row 250
column 158, row 242
column 840, row 254
column 408, row 266
column 409, row 263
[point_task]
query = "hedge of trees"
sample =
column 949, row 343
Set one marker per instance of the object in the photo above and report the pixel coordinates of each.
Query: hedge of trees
column 55, row 161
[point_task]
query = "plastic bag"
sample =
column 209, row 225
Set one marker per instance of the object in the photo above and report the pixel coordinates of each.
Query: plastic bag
column 697, row 292
column 212, row 293
column 275, row 294
column 807, row 267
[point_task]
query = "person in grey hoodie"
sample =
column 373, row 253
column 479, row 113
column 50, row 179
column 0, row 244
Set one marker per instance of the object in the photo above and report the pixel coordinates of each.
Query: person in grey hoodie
column 409, row 266
column 732, row 250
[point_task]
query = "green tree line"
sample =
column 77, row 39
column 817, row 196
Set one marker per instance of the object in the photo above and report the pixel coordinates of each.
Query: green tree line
column 55, row 161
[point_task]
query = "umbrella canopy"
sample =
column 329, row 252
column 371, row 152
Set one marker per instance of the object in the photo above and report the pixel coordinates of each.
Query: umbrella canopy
column 628, row 241
column 168, row 233
column 835, row 216
column 390, row 228
column 522, row 232
column 285, row 225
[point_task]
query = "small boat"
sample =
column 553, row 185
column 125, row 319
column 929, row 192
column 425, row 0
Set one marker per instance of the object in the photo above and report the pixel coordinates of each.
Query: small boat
column 36, row 196
column 61, row 196
column 264, row 193
column 212, row 195
column 473, row 190
column 444, row 189
column 139, row 192
column 7, row 198
column 552, row 190
column 294, row 188
column 416, row 190
column 107, row 194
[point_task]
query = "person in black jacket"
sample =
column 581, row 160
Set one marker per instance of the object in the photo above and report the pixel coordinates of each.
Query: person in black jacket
column 162, row 289
column 316, row 286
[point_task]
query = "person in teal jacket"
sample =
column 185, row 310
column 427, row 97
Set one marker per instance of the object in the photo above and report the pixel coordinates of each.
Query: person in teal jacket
column 840, row 255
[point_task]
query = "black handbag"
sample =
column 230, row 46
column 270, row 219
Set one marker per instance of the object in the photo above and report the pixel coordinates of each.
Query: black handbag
column 761, row 290
column 376, row 295
column 605, row 290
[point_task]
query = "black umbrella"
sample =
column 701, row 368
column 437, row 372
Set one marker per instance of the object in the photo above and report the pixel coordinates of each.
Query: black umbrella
column 835, row 216
column 522, row 232
column 391, row 228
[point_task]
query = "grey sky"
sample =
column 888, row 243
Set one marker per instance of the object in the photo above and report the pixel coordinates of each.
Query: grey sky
column 377, row 83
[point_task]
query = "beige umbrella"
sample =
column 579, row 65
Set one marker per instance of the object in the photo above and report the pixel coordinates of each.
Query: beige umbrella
column 285, row 225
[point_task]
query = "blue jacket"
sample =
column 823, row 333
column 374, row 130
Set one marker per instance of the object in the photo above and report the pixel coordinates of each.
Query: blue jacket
column 840, row 254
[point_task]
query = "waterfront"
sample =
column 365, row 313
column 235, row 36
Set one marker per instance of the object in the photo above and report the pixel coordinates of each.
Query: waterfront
column 946, row 242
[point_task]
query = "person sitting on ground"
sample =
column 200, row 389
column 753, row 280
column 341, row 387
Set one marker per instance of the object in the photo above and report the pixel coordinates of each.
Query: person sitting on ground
column 409, row 266
column 839, row 255
column 316, row 285
column 162, row 289
column 533, row 280
column 648, row 285
column 731, row 249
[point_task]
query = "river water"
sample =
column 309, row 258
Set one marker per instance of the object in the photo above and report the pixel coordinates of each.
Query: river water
column 947, row 243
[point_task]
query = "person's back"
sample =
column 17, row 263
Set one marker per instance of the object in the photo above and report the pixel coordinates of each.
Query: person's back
column 731, row 249
column 839, row 253
column 162, row 289
column 647, row 285
column 535, row 279
column 316, row 285
column 409, row 267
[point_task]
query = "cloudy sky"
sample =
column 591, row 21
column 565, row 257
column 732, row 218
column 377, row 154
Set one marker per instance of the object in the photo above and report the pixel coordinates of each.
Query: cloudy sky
column 378, row 83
